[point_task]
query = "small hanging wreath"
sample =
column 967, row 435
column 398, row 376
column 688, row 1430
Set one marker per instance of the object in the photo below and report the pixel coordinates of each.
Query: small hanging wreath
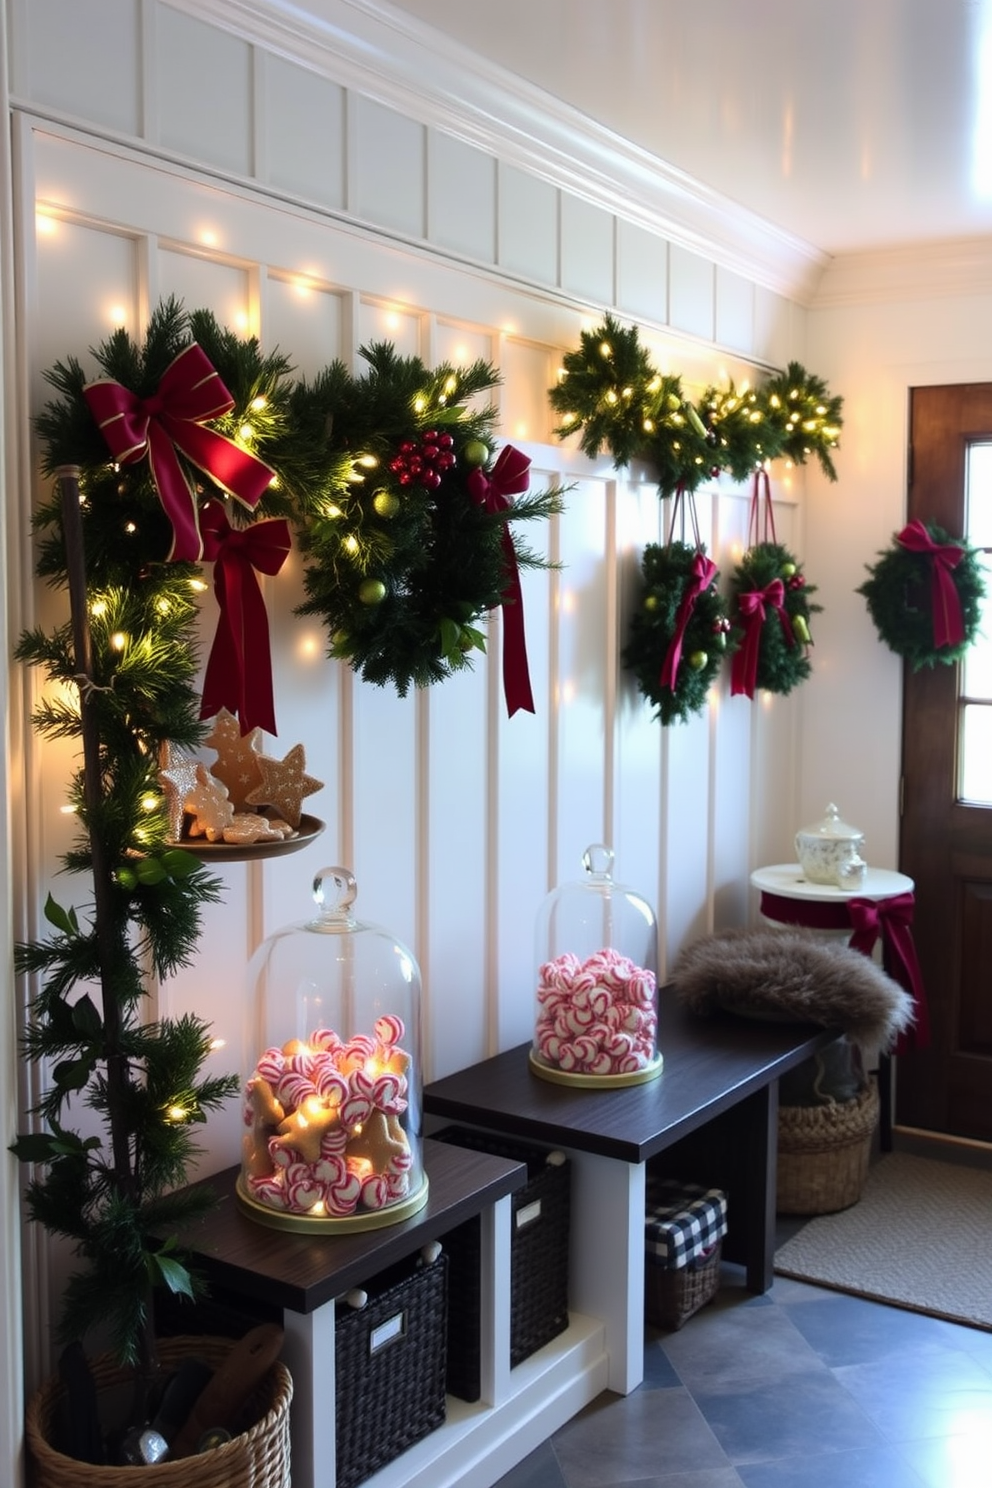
column 924, row 595
column 771, row 609
column 679, row 633
column 408, row 550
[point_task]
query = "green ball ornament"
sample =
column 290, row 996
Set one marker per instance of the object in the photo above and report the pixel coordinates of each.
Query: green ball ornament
column 788, row 570
column 386, row 503
column 371, row 591
column 698, row 660
column 475, row 452
column 651, row 602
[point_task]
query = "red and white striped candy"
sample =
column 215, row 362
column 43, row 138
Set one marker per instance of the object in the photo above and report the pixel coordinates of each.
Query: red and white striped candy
column 389, row 1029
column 360, row 1082
column 585, row 1049
column 330, row 1169
column 602, row 1064
column 398, row 1184
column 330, row 1084
column 280, row 1155
column 293, row 1089
column 268, row 1191
column 400, row 1162
column 386, row 1093
column 355, row 1110
column 325, row 1039
column 333, row 1140
column 549, row 1045
column 375, row 1191
column 342, row 1198
column 271, row 1065
column 567, row 1059
column 300, row 1064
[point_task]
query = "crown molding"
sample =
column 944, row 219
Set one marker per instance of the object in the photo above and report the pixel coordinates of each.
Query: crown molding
column 369, row 46
column 951, row 267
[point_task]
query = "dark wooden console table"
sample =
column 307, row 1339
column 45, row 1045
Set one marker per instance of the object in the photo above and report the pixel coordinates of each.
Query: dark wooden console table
column 711, row 1116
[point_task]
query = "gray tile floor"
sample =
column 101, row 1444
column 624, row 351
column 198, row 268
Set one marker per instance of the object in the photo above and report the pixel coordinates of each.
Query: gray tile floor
column 800, row 1388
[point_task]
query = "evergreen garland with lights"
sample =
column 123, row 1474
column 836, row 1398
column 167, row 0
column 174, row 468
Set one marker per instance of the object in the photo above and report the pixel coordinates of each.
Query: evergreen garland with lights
column 610, row 395
column 770, row 643
column 404, row 557
column 667, row 572
column 899, row 595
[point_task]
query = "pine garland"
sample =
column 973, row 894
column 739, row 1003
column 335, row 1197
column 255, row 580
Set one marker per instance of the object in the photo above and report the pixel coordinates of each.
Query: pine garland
column 610, row 395
column 899, row 598
column 666, row 572
column 402, row 568
column 782, row 659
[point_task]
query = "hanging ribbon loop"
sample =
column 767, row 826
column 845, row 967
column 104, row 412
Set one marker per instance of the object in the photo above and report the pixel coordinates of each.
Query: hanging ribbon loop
column 509, row 477
column 703, row 573
column 891, row 919
column 239, row 668
column 190, row 393
column 759, row 530
column 751, row 609
column 945, row 602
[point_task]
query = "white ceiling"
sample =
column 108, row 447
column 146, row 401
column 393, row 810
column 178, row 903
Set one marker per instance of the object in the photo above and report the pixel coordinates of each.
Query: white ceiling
column 852, row 124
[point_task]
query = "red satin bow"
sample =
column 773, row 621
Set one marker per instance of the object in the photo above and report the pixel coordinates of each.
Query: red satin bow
column 891, row 919
column 190, row 393
column 703, row 574
column 508, row 477
column 239, row 669
column 751, row 607
column 945, row 602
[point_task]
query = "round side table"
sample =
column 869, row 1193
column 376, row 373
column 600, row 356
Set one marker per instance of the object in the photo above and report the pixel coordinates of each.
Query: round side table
column 880, row 908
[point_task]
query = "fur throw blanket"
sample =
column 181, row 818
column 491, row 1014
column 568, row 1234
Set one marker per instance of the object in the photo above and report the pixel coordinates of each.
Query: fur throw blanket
column 793, row 976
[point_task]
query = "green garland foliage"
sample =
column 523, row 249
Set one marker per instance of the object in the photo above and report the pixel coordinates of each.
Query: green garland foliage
column 898, row 595
column 610, row 395
column 401, row 572
column 666, row 571
column 781, row 667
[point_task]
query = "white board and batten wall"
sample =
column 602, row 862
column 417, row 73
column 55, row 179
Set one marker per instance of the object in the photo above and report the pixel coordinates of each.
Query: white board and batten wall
column 157, row 152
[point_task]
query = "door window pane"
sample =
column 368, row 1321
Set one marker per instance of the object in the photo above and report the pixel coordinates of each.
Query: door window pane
column 975, row 672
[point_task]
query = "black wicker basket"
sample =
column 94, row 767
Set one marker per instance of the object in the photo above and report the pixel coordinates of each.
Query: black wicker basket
column 538, row 1260
column 389, row 1362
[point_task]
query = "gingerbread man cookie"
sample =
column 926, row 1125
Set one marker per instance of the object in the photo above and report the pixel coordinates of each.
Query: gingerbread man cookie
column 263, row 1113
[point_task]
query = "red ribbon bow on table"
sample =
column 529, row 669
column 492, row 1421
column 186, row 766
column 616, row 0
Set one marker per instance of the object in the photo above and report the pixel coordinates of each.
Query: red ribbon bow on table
column 190, row 393
column 239, row 669
column 508, row 477
column 703, row 573
column 945, row 602
column 891, row 919
column 751, row 606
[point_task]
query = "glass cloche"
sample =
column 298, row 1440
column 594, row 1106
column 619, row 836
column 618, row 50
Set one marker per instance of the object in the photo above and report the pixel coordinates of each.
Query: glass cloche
column 332, row 1101
column 596, row 1019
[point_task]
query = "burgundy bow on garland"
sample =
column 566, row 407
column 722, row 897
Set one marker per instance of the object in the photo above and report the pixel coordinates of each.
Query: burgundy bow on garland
column 508, row 477
column 239, row 669
column 190, row 393
column 948, row 621
column 704, row 571
column 751, row 608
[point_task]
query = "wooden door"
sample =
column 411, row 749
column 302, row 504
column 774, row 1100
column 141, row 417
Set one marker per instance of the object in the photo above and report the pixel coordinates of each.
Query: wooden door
column 946, row 830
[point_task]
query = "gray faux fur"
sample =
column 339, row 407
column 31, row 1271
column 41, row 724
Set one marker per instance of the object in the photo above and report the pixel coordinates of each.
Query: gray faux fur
column 794, row 976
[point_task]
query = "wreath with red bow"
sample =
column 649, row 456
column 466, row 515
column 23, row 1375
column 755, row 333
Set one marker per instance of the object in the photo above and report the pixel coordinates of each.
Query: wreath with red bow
column 679, row 632
column 770, row 606
column 924, row 595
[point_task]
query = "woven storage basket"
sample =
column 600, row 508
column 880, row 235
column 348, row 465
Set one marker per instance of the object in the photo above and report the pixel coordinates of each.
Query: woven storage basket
column 823, row 1154
column 258, row 1458
column 538, row 1261
column 670, row 1297
column 389, row 1365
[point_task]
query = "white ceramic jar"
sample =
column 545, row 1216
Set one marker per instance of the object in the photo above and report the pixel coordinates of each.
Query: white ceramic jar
column 825, row 849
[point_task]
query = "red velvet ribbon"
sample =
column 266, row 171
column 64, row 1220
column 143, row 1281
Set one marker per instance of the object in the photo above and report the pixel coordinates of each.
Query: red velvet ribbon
column 508, row 477
column 892, row 919
column 751, row 609
column 239, row 668
column 190, row 393
column 703, row 574
column 945, row 602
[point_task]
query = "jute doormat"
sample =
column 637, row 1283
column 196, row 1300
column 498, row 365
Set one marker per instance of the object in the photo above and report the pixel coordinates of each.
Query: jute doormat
column 920, row 1237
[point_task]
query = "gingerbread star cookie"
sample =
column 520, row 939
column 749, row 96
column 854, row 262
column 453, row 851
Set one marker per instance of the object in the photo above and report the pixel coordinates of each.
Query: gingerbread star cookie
column 237, row 757
column 284, row 784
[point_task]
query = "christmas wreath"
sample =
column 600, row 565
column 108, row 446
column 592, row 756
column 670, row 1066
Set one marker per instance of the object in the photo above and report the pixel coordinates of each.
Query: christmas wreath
column 610, row 394
column 408, row 544
column 924, row 595
column 679, row 633
column 770, row 608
